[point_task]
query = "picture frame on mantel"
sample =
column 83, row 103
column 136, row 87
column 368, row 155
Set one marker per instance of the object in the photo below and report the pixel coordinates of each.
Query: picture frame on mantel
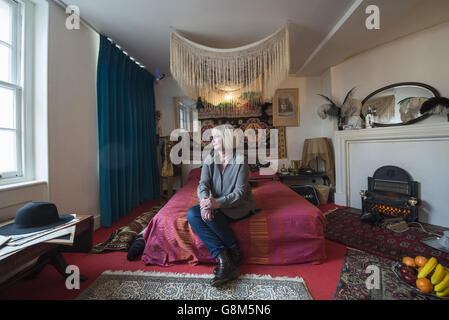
column 286, row 108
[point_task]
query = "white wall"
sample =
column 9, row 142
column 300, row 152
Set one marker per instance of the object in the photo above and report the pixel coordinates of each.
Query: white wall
column 420, row 57
column 65, row 130
column 311, row 125
column 164, row 92
column 72, row 116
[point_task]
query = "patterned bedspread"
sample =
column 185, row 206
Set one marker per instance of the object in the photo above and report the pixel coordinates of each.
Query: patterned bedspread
column 288, row 230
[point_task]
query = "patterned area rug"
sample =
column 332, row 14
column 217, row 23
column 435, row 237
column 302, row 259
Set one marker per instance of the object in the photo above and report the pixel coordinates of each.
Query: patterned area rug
column 121, row 239
column 344, row 226
column 352, row 283
column 126, row 285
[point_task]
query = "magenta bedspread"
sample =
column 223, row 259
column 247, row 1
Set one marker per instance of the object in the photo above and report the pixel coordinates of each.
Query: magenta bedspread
column 288, row 230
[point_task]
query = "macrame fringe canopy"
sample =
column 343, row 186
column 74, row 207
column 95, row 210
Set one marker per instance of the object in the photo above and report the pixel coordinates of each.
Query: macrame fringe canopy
column 217, row 75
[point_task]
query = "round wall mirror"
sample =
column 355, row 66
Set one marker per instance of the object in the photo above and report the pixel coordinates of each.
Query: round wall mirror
column 398, row 104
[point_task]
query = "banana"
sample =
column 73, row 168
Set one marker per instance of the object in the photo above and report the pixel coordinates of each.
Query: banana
column 443, row 285
column 438, row 275
column 428, row 267
column 444, row 293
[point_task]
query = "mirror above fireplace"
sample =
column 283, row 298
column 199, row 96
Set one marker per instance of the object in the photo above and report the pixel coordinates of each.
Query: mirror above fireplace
column 398, row 104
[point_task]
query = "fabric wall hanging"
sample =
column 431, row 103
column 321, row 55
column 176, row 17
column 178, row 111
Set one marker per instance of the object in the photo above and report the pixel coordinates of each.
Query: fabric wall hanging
column 217, row 75
column 249, row 117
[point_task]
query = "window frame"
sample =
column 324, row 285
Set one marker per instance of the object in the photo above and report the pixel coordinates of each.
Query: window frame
column 21, row 75
column 184, row 107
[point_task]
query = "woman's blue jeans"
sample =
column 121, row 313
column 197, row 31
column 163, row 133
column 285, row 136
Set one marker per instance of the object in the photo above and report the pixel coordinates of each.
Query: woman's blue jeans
column 216, row 234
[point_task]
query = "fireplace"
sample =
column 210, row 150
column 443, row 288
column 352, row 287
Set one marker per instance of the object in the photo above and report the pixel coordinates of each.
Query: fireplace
column 422, row 150
column 391, row 194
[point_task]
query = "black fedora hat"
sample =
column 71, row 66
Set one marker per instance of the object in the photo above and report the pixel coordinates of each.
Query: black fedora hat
column 35, row 217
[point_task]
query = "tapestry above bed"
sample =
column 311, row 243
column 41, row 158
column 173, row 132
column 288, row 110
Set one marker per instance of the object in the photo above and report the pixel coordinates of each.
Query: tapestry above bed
column 246, row 113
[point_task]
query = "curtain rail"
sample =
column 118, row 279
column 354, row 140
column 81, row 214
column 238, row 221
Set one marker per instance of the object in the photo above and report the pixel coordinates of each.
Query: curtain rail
column 63, row 6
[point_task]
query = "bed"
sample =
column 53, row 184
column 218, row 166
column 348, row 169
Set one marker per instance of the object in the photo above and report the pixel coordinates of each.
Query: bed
column 287, row 230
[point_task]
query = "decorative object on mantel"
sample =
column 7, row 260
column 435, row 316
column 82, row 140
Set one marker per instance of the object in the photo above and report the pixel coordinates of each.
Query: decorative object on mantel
column 286, row 108
column 384, row 106
column 216, row 74
column 346, row 110
column 369, row 118
column 437, row 105
column 399, row 103
column 410, row 108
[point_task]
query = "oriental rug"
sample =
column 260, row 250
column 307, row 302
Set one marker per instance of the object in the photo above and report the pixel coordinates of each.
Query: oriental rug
column 140, row 285
column 354, row 275
column 344, row 226
column 121, row 239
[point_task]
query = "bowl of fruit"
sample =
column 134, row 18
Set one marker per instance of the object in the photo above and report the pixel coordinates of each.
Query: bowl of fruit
column 424, row 275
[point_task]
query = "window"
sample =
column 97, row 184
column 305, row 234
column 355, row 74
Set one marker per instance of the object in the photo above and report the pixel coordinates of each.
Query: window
column 11, row 90
column 186, row 114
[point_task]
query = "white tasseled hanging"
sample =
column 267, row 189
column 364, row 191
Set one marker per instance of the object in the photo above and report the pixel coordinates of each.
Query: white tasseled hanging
column 211, row 73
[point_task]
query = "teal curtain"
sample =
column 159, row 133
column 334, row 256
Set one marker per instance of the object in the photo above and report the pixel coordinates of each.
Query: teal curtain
column 127, row 134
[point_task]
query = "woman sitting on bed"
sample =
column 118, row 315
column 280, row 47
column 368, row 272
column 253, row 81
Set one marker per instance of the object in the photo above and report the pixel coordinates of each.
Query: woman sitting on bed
column 225, row 196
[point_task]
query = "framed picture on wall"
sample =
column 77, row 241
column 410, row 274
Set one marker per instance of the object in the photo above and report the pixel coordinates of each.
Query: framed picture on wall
column 286, row 108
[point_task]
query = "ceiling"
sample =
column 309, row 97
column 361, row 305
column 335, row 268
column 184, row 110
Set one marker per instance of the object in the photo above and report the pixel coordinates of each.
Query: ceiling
column 322, row 32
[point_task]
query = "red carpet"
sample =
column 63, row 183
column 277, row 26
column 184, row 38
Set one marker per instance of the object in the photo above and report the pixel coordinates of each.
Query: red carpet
column 321, row 279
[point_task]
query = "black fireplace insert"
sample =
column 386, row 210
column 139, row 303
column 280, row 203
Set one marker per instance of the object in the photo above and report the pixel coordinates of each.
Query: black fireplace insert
column 391, row 194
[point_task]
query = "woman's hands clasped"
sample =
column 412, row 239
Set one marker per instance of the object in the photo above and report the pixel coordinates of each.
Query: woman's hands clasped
column 207, row 206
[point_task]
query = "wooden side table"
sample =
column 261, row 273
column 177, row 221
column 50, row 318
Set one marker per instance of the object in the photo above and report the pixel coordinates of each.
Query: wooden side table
column 304, row 178
column 47, row 253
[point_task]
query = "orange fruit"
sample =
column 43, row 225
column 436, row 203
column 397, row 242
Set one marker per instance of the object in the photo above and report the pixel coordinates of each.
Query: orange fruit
column 424, row 285
column 410, row 262
column 420, row 261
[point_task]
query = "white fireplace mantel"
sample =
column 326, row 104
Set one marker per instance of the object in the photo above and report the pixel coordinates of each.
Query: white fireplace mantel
column 350, row 145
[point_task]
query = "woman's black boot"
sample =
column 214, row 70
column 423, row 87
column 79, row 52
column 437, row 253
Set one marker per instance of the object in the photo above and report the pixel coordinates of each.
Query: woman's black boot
column 226, row 270
column 236, row 257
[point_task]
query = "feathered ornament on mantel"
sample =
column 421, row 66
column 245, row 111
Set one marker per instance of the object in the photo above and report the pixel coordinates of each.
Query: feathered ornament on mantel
column 437, row 105
column 347, row 109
